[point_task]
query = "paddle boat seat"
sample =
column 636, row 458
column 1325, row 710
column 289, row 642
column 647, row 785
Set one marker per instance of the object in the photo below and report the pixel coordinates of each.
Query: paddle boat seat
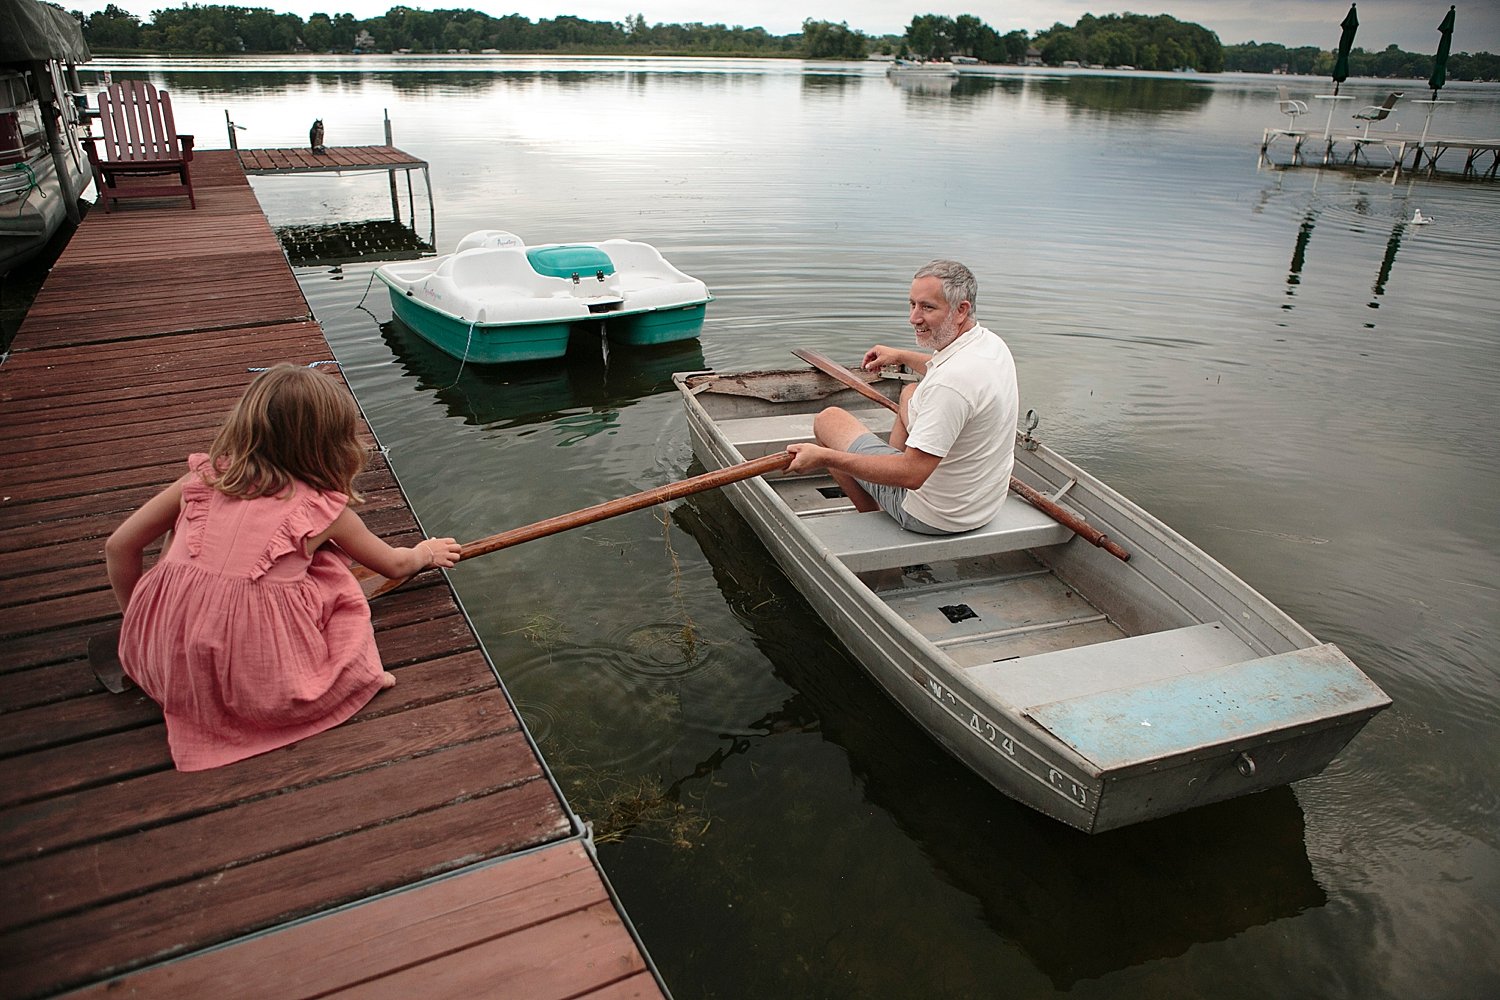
column 518, row 285
column 572, row 261
column 654, row 282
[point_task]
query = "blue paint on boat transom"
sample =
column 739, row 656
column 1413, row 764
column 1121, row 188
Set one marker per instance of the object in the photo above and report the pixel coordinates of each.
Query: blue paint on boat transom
column 1209, row 708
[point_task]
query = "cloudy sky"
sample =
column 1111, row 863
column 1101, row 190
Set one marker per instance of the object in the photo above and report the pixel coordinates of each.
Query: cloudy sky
column 1411, row 24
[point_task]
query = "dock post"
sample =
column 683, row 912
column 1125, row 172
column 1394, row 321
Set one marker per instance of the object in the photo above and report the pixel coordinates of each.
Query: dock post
column 47, row 87
column 391, row 174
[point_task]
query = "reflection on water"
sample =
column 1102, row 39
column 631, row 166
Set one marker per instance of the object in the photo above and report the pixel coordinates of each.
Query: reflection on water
column 586, row 390
column 1110, row 95
column 1387, row 262
column 1299, row 254
column 1335, row 456
column 916, row 84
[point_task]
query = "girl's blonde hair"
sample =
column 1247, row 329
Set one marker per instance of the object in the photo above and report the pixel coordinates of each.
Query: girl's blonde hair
column 292, row 424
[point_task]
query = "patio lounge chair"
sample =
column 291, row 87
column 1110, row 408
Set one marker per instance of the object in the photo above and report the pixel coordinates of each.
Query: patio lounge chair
column 1377, row 112
column 1289, row 107
column 140, row 140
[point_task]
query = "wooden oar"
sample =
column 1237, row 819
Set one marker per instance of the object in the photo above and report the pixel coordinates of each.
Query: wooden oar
column 374, row 584
column 1062, row 516
column 103, row 649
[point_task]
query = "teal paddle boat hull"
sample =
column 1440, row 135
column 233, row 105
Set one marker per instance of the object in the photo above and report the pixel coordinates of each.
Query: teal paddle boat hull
column 480, row 343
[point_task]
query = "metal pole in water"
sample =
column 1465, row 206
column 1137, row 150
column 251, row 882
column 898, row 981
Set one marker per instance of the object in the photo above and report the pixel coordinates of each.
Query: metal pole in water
column 391, row 173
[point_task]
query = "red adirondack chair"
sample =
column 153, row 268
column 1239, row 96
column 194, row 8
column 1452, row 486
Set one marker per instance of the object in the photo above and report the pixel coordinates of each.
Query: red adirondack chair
column 140, row 141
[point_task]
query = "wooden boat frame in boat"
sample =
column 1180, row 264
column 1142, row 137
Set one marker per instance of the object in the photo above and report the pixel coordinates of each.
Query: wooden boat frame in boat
column 1100, row 692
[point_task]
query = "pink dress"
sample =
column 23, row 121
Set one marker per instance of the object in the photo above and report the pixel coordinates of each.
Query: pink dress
column 246, row 642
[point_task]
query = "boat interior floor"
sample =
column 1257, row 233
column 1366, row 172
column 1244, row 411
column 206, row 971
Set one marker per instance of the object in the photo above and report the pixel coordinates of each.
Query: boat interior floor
column 996, row 608
column 1030, row 639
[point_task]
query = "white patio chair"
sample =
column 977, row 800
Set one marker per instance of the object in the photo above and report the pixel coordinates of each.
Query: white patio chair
column 1289, row 107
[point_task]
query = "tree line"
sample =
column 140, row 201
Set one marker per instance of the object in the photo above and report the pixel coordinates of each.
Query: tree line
column 1159, row 42
column 1308, row 60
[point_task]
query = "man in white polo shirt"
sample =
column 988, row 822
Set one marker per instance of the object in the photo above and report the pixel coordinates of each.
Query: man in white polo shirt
column 947, row 467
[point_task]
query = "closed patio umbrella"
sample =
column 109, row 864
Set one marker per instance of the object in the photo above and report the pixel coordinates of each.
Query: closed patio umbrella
column 1440, row 62
column 1350, row 24
column 1439, row 77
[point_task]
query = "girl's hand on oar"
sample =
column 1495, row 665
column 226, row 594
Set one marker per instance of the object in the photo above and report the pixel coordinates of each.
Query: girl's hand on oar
column 429, row 553
column 439, row 553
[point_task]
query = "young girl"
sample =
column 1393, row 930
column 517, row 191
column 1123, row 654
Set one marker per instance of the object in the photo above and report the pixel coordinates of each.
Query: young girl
column 250, row 631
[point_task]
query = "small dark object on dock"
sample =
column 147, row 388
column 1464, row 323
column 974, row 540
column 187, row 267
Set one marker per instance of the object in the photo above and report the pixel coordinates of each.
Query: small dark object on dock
column 104, row 657
column 315, row 138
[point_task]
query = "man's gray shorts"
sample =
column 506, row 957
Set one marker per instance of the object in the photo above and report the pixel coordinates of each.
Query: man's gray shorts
column 889, row 497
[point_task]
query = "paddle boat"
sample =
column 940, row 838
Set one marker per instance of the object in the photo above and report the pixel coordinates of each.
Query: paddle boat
column 496, row 300
column 1100, row 691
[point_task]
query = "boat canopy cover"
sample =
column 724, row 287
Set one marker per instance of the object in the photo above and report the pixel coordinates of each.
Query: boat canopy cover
column 31, row 31
column 570, row 259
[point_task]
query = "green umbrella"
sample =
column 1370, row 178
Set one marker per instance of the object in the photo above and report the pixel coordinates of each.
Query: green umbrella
column 1346, row 42
column 1440, row 62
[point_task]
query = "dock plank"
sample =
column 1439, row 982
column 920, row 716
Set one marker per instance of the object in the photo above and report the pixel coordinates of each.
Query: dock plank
column 452, row 937
column 107, row 938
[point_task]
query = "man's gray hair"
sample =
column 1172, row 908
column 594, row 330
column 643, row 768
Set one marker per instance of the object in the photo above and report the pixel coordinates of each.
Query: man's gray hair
column 959, row 284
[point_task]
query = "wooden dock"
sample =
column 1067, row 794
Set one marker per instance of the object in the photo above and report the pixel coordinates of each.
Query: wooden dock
column 333, row 159
column 420, row 849
column 341, row 160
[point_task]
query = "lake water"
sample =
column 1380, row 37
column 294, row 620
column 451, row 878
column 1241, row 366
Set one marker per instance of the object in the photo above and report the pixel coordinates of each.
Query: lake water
column 1274, row 362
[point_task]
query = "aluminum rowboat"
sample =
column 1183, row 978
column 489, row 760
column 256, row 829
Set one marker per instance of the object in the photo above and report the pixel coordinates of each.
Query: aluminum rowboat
column 1099, row 692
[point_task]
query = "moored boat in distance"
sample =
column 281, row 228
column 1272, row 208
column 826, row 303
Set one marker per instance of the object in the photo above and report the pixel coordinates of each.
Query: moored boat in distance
column 1098, row 691
column 496, row 300
column 919, row 68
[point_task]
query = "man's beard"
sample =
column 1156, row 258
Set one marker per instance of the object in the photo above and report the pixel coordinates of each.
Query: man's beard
column 936, row 340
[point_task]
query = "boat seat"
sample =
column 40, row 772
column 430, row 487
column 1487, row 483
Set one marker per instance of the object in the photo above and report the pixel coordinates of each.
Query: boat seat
column 757, row 436
column 871, row 540
column 502, row 268
column 569, row 261
column 1029, row 681
column 654, row 283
